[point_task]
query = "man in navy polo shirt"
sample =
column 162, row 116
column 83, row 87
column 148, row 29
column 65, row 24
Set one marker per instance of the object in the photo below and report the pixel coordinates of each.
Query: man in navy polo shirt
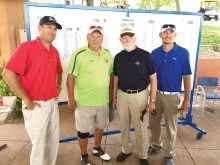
column 133, row 71
column 172, row 65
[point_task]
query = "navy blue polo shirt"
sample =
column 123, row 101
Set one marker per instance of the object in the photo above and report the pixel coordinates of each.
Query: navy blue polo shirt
column 171, row 67
column 133, row 69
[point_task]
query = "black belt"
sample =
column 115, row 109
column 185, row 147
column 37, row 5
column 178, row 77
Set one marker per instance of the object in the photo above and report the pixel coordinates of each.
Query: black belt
column 131, row 91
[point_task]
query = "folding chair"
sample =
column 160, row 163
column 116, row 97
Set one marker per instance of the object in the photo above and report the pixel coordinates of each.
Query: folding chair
column 207, row 88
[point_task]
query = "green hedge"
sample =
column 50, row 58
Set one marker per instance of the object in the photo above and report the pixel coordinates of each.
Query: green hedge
column 211, row 36
column 6, row 91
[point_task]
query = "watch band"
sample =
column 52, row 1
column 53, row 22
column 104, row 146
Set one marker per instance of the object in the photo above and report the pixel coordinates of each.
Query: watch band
column 152, row 100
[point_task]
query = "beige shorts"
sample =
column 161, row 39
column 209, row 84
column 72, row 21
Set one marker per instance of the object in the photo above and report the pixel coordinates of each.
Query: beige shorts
column 87, row 116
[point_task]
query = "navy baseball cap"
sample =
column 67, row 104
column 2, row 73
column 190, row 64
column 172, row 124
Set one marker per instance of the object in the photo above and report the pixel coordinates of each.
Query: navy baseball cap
column 48, row 20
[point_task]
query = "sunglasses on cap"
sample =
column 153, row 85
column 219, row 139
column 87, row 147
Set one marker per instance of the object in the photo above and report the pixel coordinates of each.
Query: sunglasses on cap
column 95, row 27
column 169, row 25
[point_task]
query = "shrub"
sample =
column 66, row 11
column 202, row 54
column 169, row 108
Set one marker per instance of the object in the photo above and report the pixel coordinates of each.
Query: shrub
column 6, row 91
column 215, row 43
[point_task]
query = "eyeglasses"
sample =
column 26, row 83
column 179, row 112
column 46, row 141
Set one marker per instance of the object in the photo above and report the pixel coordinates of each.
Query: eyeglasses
column 142, row 115
column 95, row 27
column 154, row 112
column 169, row 25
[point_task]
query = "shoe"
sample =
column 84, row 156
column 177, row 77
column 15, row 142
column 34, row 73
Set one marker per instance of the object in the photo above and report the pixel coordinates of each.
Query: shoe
column 144, row 162
column 85, row 160
column 168, row 160
column 100, row 153
column 151, row 150
column 122, row 156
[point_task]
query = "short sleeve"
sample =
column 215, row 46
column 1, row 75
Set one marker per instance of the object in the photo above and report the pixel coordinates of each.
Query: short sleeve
column 19, row 60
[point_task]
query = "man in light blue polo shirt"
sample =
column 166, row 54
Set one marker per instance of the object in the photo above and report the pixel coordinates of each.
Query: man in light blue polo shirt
column 172, row 66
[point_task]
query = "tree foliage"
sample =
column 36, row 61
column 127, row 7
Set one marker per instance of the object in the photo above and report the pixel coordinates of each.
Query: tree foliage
column 155, row 4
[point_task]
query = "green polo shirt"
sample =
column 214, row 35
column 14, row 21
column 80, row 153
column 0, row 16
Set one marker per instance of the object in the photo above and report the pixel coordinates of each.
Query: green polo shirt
column 92, row 76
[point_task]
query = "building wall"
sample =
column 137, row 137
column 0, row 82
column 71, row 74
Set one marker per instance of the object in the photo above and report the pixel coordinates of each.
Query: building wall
column 208, row 67
column 12, row 17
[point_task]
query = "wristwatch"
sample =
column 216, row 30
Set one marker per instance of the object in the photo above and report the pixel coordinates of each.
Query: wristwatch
column 152, row 100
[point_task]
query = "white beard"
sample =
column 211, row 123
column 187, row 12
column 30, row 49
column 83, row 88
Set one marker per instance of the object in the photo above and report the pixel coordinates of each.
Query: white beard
column 129, row 47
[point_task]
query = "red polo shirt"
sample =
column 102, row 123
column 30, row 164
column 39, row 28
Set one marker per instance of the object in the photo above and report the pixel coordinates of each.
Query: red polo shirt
column 37, row 69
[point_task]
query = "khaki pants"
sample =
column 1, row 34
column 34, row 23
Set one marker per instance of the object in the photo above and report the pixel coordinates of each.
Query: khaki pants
column 130, row 107
column 42, row 125
column 167, row 107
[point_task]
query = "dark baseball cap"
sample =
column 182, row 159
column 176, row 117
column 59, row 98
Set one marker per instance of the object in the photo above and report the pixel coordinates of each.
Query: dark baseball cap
column 49, row 20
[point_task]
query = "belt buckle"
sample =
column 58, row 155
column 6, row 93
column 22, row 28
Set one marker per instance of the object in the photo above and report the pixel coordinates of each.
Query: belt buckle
column 135, row 91
column 129, row 91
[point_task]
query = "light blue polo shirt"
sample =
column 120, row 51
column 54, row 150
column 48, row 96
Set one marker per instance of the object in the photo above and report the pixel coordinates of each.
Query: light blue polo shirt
column 171, row 67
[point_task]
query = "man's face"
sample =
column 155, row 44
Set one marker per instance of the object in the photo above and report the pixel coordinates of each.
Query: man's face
column 47, row 32
column 128, row 42
column 95, row 40
column 168, row 36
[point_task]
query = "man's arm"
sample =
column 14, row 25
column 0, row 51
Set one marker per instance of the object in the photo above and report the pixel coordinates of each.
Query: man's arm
column 115, row 88
column 11, row 79
column 111, row 88
column 59, row 81
column 70, row 83
column 187, row 88
column 153, row 89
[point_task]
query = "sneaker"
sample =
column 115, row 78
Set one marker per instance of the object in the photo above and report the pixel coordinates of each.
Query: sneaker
column 85, row 160
column 144, row 162
column 122, row 156
column 100, row 153
column 151, row 150
column 168, row 160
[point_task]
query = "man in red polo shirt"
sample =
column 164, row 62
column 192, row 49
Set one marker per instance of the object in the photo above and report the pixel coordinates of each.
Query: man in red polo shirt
column 34, row 73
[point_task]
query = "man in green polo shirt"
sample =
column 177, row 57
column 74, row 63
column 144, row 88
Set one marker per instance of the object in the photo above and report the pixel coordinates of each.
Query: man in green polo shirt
column 88, row 86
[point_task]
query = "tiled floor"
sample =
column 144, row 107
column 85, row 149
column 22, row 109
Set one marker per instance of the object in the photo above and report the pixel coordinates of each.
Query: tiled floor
column 189, row 150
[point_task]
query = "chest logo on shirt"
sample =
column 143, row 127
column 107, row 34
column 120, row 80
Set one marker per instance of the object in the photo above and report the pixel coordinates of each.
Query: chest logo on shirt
column 53, row 58
column 174, row 58
column 137, row 63
column 106, row 60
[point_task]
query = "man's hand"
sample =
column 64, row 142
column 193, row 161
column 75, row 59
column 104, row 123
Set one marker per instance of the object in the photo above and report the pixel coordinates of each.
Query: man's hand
column 151, row 106
column 72, row 104
column 30, row 104
column 114, row 104
column 185, row 105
